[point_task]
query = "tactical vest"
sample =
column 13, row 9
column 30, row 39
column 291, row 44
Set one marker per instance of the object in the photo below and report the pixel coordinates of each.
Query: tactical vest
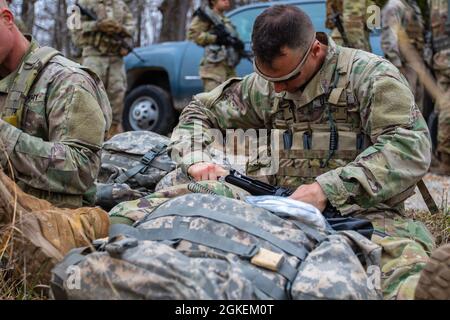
column 105, row 9
column 14, row 111
column 323, row 134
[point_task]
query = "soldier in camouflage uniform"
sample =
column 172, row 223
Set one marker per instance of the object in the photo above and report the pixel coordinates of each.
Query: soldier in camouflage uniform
column 353, row 16
column 439, row 12
column 358, row 140
column 52, row 124
column 103, row 50
column 54, row 114
column 219, row 61
column 405, row 14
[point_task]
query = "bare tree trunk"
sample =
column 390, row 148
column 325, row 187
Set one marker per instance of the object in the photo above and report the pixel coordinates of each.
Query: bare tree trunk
column 174, row 19
column 140, row 6
column 61, row 38
column 28, row 14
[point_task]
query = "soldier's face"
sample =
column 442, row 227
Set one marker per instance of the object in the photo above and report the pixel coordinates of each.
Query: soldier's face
column 222, row 5
column 6, row 34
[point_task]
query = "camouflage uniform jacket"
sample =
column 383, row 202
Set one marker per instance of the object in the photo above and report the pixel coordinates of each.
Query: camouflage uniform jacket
column 201, row 32
column 96, row 43
column 353, row 17
column 55, row 152
column 407, row 15
column 398, row 143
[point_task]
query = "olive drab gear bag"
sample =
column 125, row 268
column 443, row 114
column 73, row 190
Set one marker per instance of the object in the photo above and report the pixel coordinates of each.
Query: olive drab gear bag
column 26, row 78
column 201, row 246
column 132, row 164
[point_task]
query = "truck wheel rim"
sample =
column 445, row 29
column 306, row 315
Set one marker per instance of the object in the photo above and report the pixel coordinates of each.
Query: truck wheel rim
column 143, row 114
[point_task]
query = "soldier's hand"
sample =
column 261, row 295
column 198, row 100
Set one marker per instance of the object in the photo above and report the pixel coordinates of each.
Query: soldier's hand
column 312, row 194
column 109, row 26
column 206, row 171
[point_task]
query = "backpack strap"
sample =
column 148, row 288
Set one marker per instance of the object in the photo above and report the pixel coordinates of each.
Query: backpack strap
column 146, row 162
column 208, row 239
column 237, row 223
column 25, row 78
column 343, row 71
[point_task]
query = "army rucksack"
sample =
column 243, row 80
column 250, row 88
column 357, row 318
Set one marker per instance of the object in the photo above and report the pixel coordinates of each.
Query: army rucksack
column 200, row 246
column 132, row 164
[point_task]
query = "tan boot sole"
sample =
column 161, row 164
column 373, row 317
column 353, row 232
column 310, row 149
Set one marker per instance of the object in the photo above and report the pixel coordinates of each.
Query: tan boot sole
column 434, row 282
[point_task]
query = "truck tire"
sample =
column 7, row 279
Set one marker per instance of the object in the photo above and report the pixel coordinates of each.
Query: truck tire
column 149, row 108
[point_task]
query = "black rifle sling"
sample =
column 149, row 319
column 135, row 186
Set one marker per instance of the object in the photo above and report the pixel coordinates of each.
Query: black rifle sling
column 146, row 162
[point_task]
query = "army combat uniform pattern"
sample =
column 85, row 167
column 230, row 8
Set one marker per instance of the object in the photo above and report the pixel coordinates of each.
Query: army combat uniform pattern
column 54, row 149
column 404, row 14
column 353, row 17
column 441, row 67
column 101, row 52
column 384, row 146
column 216, row 66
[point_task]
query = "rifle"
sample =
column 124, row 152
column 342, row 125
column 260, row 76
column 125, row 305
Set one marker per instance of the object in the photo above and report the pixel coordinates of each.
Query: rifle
column 331, row 214
column 256, row 187
column 336, row 18
column 223, row 35
column 92, row 16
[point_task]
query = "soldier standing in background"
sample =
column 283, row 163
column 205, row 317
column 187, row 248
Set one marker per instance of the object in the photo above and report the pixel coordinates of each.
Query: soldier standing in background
column 405, row 14
column 104, row 40
column 219, row 61
column 350, row 17
column 440, row 28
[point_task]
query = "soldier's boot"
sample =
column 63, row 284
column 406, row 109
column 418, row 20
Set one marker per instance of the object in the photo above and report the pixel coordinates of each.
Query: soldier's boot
column 116, row 128
column 434, row 282
column 441, row 165
column 38, row 235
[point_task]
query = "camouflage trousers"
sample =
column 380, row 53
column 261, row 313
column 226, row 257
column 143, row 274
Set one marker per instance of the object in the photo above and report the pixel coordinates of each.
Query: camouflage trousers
column 214, row 74
column 35, row 235
column 111, row 71
column 406, row 244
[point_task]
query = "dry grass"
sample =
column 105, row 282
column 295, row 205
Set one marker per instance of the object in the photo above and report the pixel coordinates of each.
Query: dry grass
column 439, row 224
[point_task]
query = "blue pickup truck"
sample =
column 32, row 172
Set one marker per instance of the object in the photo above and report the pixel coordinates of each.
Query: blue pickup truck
column 160, row 87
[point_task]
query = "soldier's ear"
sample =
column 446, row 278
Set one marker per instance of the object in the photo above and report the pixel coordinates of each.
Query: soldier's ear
column 316, row 48
column 7, row 17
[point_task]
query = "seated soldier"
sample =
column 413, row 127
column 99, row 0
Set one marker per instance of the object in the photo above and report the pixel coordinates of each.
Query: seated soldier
column 369, row 144
column 54, row 114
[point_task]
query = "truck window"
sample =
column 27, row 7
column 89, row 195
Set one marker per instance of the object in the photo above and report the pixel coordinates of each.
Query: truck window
column 243, row 20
